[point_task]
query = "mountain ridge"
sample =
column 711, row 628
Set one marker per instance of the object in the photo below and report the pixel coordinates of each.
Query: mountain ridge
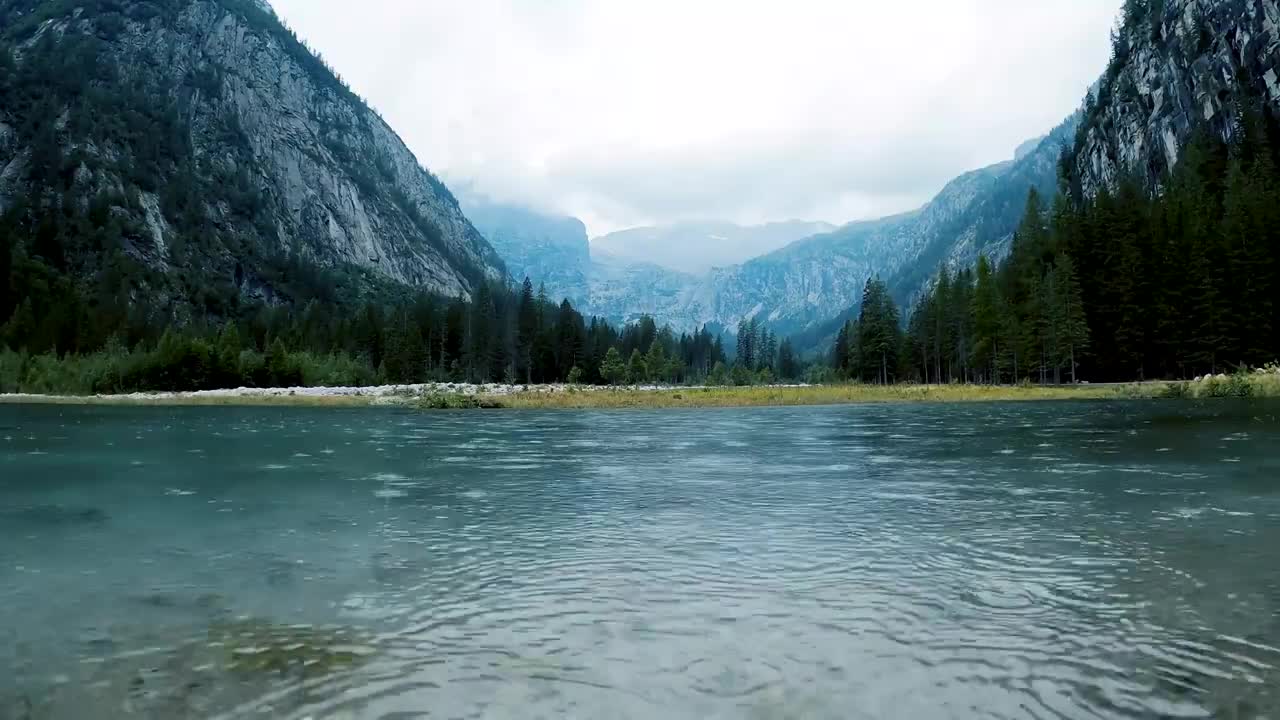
column 222, row 149
column 803, row 286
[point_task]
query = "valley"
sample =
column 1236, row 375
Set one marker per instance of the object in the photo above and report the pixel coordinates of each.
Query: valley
column 480, row 366
column 282, row 233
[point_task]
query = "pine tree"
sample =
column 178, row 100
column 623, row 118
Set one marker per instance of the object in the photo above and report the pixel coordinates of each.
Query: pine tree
column 6, row 272
column 481, row 337
column 1249, row 219
column 571, row 337
column 941, row 327
column 986, row 322
column 769, row 353
column 878, row 334
column 637, row 371
column 229, row 350
column 1073, row 328
column 655, row 362
column 788, row 364
column 526, row 330
column 612, row 369
column 840, row 353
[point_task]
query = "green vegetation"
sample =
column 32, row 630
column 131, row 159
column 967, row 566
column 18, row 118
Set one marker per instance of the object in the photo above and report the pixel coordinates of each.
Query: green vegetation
column 252, row 647
column 90, row 302
column 781, row 395
column 503, row 336
column 1120, row 286
column 110, row 130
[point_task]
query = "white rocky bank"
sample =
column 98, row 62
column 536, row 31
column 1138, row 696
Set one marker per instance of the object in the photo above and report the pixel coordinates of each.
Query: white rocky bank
column 376, row 394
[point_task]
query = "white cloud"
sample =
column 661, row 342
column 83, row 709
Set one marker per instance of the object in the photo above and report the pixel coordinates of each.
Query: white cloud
column 625, row 112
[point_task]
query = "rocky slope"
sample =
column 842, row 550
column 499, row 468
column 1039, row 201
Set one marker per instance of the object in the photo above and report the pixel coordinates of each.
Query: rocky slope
column 1179, row 65
column 698, row 247
column 976, row 217
column 553, row 251
column 548, row 249
column 219, row 147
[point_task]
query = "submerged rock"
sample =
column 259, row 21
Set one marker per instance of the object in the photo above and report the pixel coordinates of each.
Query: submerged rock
column 252, row 647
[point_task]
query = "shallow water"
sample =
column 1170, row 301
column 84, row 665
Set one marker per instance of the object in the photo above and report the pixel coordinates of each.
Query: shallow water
column 1048, row 560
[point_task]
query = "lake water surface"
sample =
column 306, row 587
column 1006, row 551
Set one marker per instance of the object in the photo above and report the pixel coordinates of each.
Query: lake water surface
column 1038, row 560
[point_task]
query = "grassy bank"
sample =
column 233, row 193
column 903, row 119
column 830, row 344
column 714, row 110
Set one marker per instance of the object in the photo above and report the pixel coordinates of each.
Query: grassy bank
column 1260, row 384
column 763, row 396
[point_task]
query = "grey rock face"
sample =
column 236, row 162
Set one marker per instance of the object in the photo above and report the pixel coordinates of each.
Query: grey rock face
column 547, row 249
column 1186, row 68
column 339, row 186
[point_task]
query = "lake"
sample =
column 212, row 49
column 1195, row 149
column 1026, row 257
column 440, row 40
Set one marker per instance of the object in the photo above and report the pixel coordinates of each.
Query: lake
column 1032, row 560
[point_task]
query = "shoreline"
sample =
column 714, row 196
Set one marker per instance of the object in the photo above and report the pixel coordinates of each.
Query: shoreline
column 461, row 396
column 580, row 397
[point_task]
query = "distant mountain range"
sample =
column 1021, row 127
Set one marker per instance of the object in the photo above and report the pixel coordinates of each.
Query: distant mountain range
column 698, row 247
column 805, row 287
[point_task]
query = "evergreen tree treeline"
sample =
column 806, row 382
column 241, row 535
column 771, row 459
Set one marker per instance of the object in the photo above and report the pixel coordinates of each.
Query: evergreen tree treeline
column 501, row 335
column 1125, row 285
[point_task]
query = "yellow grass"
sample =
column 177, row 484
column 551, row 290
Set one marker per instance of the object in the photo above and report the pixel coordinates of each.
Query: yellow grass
column 771, row 396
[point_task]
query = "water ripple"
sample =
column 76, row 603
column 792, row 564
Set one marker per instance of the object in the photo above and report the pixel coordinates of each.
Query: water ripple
column 1034, row 561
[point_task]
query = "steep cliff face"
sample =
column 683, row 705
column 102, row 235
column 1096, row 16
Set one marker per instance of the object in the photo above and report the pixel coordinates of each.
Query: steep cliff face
column 205, row 141
column 1179, row 65
column 548, row 249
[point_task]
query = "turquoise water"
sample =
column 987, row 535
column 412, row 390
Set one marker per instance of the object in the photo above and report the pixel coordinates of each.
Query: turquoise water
column 1049, row 560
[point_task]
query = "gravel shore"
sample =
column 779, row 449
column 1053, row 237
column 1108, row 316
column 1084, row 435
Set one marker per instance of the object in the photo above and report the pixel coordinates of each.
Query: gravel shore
column 371, row 395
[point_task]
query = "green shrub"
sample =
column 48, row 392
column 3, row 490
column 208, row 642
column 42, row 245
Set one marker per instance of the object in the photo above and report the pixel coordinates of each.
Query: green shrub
column 11, row 365
column 333, row 370
column 1239, row 385
column 453, row 401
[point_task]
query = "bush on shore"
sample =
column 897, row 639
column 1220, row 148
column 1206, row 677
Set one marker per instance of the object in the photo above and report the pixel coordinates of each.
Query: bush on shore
column 177, row 364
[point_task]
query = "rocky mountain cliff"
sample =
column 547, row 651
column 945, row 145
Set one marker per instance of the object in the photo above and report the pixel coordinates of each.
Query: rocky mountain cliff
column 1178, row 65
column 208, row 152
column 698, row 247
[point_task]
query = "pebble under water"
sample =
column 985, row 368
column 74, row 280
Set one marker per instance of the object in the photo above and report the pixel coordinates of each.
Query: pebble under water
column 1054, row 560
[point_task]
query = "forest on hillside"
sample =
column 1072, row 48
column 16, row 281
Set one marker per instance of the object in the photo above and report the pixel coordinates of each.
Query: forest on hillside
column 1130, row 284
column 87, row 304
column 502, row 335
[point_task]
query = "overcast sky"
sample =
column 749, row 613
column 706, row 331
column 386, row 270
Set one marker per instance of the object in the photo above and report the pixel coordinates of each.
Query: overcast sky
column 630, row 112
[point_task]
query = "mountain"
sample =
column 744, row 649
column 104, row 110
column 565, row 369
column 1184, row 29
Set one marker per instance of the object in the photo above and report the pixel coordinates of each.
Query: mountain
column 196, row 154
column 697, row 247
column 549, row 249
column 807, row 287
column 1178, row 66
column 553, row 251
column 623, row 290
